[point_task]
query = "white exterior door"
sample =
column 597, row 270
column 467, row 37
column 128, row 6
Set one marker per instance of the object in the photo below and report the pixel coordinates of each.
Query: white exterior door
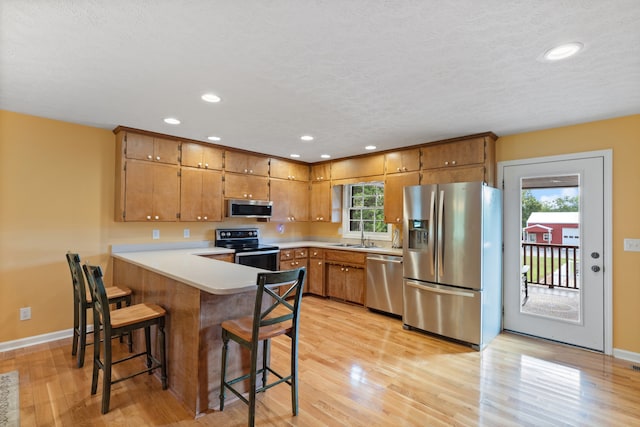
column 588, row 328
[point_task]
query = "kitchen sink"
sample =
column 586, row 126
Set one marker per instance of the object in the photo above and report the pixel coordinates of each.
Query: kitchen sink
column 353, row 245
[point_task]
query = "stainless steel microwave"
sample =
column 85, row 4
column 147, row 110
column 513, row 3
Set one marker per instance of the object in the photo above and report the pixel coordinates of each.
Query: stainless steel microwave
column 249, row 208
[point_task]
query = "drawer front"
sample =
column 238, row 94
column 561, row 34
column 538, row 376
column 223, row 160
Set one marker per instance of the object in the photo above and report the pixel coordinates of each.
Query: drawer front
column 316, row 253
column 287, row 254
column 301, row 253
column 347, row 257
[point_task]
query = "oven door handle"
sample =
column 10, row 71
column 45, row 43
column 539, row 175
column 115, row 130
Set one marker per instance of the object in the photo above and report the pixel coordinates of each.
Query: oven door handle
column 240, row 254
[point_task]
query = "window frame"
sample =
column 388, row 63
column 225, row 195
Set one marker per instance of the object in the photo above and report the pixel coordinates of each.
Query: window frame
column 346, row 219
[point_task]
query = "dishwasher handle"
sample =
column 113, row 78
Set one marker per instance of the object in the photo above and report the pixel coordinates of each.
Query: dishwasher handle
column 382, row 260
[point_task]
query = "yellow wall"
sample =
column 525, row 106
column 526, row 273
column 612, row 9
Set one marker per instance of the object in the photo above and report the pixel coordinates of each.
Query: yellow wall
column 57, row 192
column 622, row 136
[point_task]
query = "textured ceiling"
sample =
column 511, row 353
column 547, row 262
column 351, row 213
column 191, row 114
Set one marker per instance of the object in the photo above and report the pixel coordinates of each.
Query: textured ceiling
column 350, row 73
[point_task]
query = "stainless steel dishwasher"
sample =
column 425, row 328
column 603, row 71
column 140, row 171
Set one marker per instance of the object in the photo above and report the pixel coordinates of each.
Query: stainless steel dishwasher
column 384, row 283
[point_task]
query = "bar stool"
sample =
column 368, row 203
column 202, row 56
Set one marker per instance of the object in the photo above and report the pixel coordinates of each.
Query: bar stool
column 117, row 322
column 270, row 319
column 83, row 302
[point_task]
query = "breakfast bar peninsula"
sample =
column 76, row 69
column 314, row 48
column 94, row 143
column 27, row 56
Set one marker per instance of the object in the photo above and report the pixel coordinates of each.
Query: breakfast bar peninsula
column 198, row 293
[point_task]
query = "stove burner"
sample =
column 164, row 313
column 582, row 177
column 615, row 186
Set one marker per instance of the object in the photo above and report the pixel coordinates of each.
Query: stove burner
column 241, row 240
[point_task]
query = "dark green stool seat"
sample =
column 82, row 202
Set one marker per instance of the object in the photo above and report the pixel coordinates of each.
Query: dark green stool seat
column 275, row 316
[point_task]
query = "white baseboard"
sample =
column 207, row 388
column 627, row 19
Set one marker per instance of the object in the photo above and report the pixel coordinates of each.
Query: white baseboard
column 626, row 355
column 34, row 340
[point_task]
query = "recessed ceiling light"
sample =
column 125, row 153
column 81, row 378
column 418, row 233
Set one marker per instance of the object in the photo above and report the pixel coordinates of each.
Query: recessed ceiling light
column 325, row 156
column 210, row 97
column 172, row 121
column 562, row 51
column 295, row 156
column 306, row 138
column 214, row 138
column 370, row 147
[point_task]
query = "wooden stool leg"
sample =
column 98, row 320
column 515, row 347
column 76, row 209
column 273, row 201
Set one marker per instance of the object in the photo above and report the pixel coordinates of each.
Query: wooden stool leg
column 252, row 386
column 82, row 335
column 163, row 357
column 96, row 361
column 223, row 370
column 265, row 361
column 76, row 326
column 294, row 376
column 106, row 381
column 147, row 341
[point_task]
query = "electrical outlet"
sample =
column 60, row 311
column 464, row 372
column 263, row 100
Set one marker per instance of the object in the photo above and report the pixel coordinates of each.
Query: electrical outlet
column 632, row 245
column 186, row 233
column 156, row 234
column 25, row 313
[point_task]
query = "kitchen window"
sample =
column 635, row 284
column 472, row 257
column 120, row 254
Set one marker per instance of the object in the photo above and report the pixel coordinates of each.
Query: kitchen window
column 364, row 206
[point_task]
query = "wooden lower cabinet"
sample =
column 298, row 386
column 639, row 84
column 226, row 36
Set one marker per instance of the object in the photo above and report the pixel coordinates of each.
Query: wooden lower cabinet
column 345, row 275
column 290, row 259
column 315, row 273
column 345, row 282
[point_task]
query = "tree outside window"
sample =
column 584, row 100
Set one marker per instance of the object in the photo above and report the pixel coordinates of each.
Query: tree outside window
column 364, row 206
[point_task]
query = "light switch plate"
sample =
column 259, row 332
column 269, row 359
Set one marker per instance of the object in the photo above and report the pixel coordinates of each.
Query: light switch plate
column 187, row 233
column 156, row 234
column 632, row 245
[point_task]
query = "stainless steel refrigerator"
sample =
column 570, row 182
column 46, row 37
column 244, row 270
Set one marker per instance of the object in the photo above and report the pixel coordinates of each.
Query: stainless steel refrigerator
column 452, row 274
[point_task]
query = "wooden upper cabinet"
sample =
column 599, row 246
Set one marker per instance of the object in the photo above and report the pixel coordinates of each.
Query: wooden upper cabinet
column 358, row 167
column 152, row 192
column 402, row 161
column 321, row 172
column 201, row 156
column 290, row 200
column 239, row 162
column 320, row 201
column 241, row 186
column 465, row 160
column 394, row 192
column 289, row 170
column 200, row 195
column 450, row 154
column 152, row 149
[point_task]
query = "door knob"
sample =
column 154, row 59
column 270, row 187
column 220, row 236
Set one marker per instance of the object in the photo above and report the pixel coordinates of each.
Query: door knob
column 595, row 255
column 595, row 268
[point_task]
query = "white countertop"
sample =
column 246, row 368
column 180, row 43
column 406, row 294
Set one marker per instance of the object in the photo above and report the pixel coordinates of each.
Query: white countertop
column 210, row 275
column 333, row 245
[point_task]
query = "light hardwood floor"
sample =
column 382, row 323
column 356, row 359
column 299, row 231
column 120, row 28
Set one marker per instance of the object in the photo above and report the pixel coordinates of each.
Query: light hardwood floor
column 359, row 368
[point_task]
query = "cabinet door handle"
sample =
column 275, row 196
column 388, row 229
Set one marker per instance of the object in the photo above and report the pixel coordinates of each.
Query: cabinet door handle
column 157, row 217
column 206, row 165
column 446, row 163
column 453, row 162
column 148, row 217
column 199, row 164
column 157, row 157
column 198, row 218
column 205, row 218
column 149, row 157
column 245, row 171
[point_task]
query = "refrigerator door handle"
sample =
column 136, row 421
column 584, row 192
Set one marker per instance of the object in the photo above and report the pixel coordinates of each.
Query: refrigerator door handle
column 431, row 237
column 439, row 290
column 440, row 233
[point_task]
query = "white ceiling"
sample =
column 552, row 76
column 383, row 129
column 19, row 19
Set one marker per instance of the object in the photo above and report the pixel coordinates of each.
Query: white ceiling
column 351, row 73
